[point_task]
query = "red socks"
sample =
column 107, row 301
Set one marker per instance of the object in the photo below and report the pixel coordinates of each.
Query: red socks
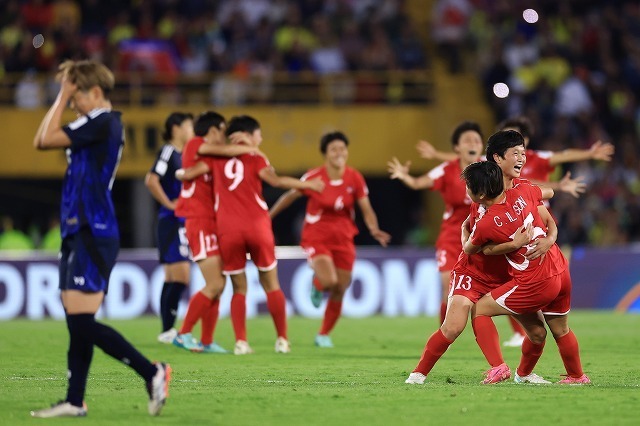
column 209, row 320
column 433, row 350
column 239, row 316
column 443, row 312
column 515, row 325
column 531, row 353
column 277, row 305
column 570, row 354
column 331, row 315
column 488, row 339
column 198, row 304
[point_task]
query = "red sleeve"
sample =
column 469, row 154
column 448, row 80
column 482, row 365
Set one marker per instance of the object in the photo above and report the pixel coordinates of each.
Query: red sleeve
column 361, row 190
column 190, row 154
column 535, row 193
column 479, row 232
column 261, row 162
column 437, row 176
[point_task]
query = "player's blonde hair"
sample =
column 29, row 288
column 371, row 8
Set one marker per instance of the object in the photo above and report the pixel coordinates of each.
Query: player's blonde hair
column 86, row 74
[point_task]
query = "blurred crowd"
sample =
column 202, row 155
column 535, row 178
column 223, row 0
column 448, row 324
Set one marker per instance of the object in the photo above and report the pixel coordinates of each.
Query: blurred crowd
column 575, row 73
column 244, row 38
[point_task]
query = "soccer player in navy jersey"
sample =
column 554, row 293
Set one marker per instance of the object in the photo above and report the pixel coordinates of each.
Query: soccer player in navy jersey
column 90, row 236
column 171, row 236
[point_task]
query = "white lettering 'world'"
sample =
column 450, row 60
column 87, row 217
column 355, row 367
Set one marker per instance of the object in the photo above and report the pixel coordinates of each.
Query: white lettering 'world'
column 391, row 287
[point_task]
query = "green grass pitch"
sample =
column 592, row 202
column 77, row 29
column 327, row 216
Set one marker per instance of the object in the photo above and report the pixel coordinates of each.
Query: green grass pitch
column 360, row 381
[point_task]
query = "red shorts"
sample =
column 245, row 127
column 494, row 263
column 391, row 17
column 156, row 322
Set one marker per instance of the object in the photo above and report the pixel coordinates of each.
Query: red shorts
column 469, row 287
column 343, row 255
column 235, row 245
column 561, row 305
column 447, row 257
column 552, row 295
column 201, row 233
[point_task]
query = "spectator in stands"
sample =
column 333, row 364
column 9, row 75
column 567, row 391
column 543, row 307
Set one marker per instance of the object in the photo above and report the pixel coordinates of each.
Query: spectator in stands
column 13, row 239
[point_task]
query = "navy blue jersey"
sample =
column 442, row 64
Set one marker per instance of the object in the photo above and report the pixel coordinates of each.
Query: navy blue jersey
column 169, row 160
column 97, row 140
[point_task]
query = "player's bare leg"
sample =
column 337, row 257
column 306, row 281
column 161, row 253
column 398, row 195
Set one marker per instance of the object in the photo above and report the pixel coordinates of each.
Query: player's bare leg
column 325, row 277
column 445, row 280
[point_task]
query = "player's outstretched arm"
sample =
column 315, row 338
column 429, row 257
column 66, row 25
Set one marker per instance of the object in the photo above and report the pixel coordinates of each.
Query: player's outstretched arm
column 598, row 151
column 152, row 182
column 371, row 220
column 284, row 202
column 190, row 173
column 400, row 171
column 571, row 186
column 50, row 134
column 226, row 150
column 548, row 188
column 429, row 152
column 269, row 175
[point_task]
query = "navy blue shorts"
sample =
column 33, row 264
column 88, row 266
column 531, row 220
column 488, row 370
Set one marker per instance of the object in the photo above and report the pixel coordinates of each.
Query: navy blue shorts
column 86, row 261
column 172, row 240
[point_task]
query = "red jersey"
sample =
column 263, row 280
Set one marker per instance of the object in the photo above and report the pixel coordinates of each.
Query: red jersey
column 330, row 215
column 238, row 192
column 538, row 166
column 488, row 269
column 500, row 223
column 196, row 196
column 446, row 179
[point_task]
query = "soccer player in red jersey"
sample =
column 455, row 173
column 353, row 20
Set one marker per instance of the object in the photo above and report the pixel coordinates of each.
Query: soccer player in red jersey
column 244, row 226
column 540, row 164
column 539, row 283
column 196, row 204
column 329, row 227
column 472, row 277
column 467, row 144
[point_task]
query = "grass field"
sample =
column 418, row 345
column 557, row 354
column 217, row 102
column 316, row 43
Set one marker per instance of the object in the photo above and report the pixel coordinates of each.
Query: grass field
column 361, row 381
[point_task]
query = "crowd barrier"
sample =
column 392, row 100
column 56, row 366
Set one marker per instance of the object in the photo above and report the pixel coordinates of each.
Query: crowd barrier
column 389, row 282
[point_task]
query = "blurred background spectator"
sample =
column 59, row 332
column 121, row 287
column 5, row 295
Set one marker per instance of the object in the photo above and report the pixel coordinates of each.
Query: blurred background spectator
column 575, row 73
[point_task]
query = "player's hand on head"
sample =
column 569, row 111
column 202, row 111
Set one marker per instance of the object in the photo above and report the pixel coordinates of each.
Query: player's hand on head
column 396, row 169
column 571, row 186
column 67, row 88
column 602, row 151
column 426, row 150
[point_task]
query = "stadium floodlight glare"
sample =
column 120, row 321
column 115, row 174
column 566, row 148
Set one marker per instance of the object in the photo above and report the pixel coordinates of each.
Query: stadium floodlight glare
column 38, row 41
column 501, row 90
column 530, row 16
